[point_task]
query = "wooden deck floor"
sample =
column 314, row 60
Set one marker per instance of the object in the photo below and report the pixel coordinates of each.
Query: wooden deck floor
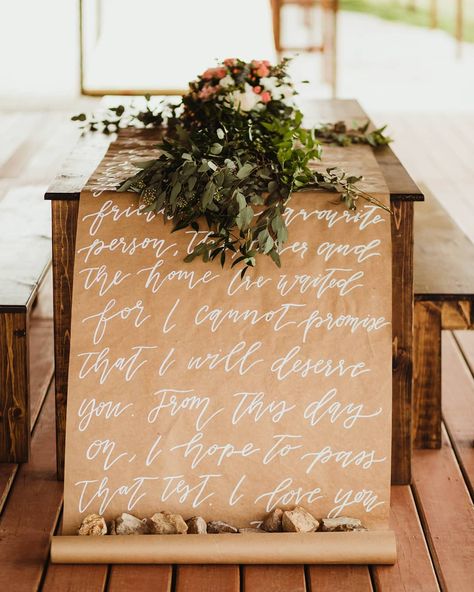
column 433, row 518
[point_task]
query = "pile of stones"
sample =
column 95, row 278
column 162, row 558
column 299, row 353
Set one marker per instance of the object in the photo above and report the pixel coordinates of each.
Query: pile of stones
column 278, row 520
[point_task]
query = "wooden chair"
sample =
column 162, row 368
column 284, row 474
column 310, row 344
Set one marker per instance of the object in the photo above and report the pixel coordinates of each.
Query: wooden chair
column 444, row 299
column 328, row 47
column 25, row 257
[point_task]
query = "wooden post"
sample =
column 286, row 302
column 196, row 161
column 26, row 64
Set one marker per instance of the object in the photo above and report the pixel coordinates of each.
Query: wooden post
column 330, row 10
column 434, row 14
column 276, row 15
column 427, row 375
column 334, row 16
column 14, row 385
column 459, row 26
column 64, row 221
column 402, row 331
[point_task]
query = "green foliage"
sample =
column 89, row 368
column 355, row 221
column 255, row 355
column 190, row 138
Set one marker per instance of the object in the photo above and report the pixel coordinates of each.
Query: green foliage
column 118, row 117
column 234, row 176
column 231, row 172
column 339, row 133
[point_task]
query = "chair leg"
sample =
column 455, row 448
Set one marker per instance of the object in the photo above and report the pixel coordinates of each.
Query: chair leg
column 427, row 375
column 276, row 15
column 329, row 55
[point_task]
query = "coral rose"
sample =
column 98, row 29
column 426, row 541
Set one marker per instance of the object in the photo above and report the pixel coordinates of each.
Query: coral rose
column 262, row 71
column 214, row 73
column 261, row 67
column 265, row 97
column 207, row 91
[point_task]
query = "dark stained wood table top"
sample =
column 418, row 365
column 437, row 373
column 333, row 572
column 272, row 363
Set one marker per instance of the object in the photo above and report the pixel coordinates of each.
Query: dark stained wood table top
column 91, row 147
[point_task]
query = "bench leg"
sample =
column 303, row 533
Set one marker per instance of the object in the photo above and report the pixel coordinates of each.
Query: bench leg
column 427, row 389
column 64, row 220
column 14, row 388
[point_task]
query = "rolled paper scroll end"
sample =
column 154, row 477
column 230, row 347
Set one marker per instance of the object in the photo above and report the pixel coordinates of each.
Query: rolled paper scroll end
column 357, row 547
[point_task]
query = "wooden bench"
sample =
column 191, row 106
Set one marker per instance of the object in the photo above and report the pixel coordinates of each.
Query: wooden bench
column 444, row 299
column 25, row 257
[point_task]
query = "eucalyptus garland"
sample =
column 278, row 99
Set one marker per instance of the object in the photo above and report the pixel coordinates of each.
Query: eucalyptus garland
column 232, row 154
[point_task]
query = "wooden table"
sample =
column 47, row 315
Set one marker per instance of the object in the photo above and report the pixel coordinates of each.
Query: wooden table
column 64, row 195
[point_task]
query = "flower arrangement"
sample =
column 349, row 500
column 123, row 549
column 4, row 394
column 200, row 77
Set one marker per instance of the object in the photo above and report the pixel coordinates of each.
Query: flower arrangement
column 233, row 152
column 243, row 86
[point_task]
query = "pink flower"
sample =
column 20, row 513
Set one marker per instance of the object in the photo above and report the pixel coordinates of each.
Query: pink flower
column 257, row 89
column 214, row 73
column 229, row 62
column 261, row 67
column 207, row 91
column 207, row 75
column 263, row 71
column 265, row 97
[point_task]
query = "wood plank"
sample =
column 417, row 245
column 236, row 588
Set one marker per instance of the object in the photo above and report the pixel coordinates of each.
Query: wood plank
column 43, row 304
column 131, row 578
column 17, row 128
column 14, row 388
column 41, row 363
column 339, row 578
column 413, row 570
column 458, row 407
column 447, row 515
column 442, row 255
column 57, row 139
column 402, row 335
column 426, row 421
column 91, row 147
column 64, row 220
column 444, row 175
column 466, row 343
column 30, row 144
column 75, row 578
column 7, row 476
column 32, row 510
column 203, row 578
column 457, row 315
column 273, row 578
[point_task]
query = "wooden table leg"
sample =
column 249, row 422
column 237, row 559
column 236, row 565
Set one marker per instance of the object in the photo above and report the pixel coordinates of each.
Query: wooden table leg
column 64, row 220
column 427, row 375
column 14, row 388
column 402, row 307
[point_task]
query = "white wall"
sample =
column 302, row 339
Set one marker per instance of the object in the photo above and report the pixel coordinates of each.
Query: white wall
column 39, row 50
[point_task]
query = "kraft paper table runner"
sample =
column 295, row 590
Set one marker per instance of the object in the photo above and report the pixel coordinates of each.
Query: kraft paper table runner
column 194, row 392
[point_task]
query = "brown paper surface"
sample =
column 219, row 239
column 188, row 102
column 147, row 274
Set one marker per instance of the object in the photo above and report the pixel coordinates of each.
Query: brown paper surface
column 193, row 392
column 373, row 547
